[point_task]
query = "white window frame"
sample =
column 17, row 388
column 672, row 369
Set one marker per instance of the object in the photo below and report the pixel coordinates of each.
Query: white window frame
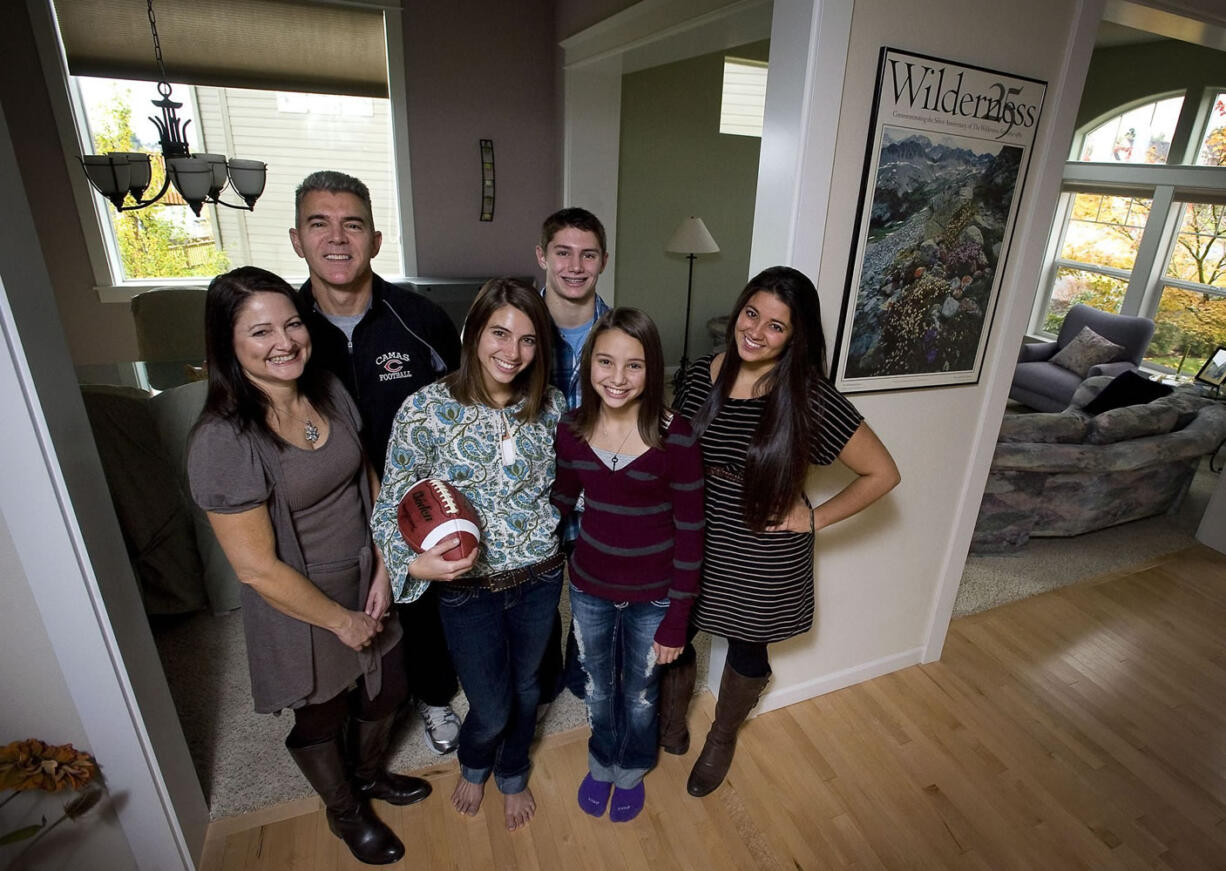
column 1169, row 187
column 67, row 109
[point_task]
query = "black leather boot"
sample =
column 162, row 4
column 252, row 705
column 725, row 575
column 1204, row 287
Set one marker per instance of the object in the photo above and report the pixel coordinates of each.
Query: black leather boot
column 737, row 696
column 349, row 817
column 370, row 778
column 676, row 691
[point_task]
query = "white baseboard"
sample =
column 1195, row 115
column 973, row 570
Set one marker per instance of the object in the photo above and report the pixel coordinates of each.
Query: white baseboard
column 782, row 696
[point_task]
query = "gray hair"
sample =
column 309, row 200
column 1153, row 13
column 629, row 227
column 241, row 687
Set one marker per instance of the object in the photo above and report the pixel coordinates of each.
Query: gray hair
column 332, row 182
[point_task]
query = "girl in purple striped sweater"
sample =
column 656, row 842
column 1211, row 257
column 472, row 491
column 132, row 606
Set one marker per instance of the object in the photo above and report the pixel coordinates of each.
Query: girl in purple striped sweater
column 636, row 467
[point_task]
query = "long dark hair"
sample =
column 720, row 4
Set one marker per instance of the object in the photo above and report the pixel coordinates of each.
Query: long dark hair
column 231, row 395
column 637, row 326
column 779, row 447
column 466, row 383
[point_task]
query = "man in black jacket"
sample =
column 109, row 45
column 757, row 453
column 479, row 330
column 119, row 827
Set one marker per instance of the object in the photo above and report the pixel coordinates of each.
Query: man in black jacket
column 383, row 342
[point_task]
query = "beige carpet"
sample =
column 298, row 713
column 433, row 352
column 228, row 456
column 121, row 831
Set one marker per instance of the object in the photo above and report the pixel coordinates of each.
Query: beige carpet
column 1046, row 564
column 240, row 756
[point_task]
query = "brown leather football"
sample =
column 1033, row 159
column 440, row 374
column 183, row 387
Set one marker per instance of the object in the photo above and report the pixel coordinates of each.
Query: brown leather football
column 431, row 511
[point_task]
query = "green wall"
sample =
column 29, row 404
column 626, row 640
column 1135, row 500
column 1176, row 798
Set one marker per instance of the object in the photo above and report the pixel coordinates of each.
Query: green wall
column 1125, row 73
column 676, row 163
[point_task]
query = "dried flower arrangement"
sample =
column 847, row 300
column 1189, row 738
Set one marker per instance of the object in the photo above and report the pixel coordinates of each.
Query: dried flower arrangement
column 31, row 765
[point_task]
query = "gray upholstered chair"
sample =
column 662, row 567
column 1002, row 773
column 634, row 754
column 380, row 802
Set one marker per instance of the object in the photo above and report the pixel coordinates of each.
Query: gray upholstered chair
column 1045, row 386
column 169, row 332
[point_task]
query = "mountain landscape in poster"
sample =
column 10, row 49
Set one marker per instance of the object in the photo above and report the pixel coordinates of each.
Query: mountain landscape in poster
column 938, row 217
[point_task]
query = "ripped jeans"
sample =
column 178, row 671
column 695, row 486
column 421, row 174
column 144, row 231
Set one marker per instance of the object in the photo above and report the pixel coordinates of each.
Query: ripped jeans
column 623, row 683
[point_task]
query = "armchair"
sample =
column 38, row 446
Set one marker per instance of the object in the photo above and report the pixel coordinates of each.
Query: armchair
column 1045, row 386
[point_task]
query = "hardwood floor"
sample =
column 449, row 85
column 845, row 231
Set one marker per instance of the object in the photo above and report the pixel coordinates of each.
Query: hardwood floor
column 1083, row 728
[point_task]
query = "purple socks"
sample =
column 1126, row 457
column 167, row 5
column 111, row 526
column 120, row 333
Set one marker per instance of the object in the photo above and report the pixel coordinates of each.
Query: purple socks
column 627, row 803
column 594, row 796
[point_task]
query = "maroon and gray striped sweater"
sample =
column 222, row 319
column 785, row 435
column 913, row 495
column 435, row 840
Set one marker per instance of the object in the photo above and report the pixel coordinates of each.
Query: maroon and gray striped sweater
column 640, row 536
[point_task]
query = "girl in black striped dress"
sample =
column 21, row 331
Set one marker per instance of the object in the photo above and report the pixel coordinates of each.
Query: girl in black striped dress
column 765, row 411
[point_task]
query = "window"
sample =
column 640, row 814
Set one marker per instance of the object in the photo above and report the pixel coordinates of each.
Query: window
column 1140, row 135
column 1097, row 255
column 295, row 133
column 1190, row 321
column 1213, row 146
column 1140, row 234
column 247, row 95
column 743, row 103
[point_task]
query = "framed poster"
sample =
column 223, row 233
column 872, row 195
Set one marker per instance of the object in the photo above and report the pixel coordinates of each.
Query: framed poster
column 947, row 155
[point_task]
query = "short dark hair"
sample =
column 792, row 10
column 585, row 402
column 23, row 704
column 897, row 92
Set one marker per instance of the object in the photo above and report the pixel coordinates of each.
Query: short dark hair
column 231, row 394
column 641, row 328
column 580, row 219
column 780, row 444
column 531, row 385
column 332, row 182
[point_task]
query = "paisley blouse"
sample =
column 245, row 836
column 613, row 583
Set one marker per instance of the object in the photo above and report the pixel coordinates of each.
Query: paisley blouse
column 434, row 436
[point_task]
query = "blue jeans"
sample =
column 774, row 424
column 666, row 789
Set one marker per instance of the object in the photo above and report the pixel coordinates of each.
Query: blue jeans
column 497, row 641
column 623, row 683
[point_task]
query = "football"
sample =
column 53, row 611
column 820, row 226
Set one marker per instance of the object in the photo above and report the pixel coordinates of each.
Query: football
column 431, row 511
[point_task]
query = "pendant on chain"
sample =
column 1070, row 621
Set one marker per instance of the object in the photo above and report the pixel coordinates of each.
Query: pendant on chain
column 310, row 432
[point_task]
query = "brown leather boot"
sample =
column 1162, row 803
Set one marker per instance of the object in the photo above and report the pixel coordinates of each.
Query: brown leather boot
column 737, row 696
column 371, row 779
column 349, row 817
column 676, row 691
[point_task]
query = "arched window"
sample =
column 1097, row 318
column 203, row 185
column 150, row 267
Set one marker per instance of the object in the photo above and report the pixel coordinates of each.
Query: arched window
column 1140, row 134
column 1212, row 151
column 1138, row 236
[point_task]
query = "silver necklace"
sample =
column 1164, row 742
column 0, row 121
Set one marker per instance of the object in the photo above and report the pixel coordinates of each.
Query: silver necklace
column 605, row 432
column 310, row 431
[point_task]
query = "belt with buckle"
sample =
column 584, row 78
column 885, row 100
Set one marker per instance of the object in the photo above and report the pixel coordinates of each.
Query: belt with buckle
column 514, row 577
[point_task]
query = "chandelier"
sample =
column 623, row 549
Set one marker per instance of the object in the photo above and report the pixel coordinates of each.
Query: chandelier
column 199, row 178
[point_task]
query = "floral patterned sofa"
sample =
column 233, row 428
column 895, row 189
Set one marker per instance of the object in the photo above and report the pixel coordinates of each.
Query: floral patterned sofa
column 1062, row 474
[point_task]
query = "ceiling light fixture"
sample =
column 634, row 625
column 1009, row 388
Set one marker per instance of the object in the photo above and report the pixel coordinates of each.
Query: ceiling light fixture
column 198, row 177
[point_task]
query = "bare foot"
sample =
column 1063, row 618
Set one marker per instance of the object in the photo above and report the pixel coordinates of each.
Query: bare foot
column 467, row 797
column 520, row 806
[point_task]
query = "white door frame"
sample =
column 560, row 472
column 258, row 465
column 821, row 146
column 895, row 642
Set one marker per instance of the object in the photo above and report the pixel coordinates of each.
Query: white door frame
column 57, row 506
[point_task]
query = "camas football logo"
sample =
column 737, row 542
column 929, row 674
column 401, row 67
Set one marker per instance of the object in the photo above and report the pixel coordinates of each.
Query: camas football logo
column 394, row 365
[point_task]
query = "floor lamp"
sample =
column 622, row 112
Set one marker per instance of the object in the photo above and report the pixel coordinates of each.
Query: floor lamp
column 691, row 239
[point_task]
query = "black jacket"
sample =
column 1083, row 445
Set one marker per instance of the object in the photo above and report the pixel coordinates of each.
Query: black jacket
column 403, row 343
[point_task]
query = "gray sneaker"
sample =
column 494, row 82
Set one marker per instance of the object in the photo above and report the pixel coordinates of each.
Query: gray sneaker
column 442, row 727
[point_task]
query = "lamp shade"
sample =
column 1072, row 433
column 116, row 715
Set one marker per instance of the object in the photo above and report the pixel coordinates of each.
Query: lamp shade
column 692, row 237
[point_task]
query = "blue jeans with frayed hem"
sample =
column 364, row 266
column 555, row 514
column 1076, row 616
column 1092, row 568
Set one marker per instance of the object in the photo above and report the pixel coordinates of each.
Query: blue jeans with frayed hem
column 623, row 684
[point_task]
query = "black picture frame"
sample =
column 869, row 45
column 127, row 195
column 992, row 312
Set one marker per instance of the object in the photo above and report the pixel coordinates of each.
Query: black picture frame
column 945, row 167
column 1214, row 370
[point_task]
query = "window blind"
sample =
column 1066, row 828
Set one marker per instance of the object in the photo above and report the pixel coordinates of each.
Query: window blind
column 267, row 44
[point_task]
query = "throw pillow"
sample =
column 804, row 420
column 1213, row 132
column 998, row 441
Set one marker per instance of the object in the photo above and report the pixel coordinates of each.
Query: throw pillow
column 1130, row 422
column 1130, row 388
column 1048, row 428
column 1087, row 349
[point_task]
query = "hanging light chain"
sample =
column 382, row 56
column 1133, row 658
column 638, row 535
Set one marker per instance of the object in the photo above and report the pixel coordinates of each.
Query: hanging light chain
column 157, row 43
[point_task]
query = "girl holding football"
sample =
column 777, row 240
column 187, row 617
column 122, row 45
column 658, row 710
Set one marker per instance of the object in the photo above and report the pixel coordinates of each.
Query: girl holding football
column 634, row 570
column 488, row 429
column 764, row 411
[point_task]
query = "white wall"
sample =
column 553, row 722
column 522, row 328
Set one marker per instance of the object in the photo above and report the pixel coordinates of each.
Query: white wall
column 884, row 577
column 37, row 704
column 71, row 562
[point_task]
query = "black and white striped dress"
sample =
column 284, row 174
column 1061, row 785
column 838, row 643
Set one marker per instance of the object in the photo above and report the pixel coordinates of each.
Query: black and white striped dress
column 755, row 586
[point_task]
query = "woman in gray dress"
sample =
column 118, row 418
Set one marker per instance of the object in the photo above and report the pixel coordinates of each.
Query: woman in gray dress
column 276, row 462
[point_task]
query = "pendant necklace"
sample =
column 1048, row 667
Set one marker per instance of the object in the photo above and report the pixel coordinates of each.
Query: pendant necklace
column 616, row 454
column 310, row 431
column 507, row 446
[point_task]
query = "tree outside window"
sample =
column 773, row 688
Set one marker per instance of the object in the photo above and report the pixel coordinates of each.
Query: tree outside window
column 161, row 241
column 1098, row 254
column 1191, row 318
